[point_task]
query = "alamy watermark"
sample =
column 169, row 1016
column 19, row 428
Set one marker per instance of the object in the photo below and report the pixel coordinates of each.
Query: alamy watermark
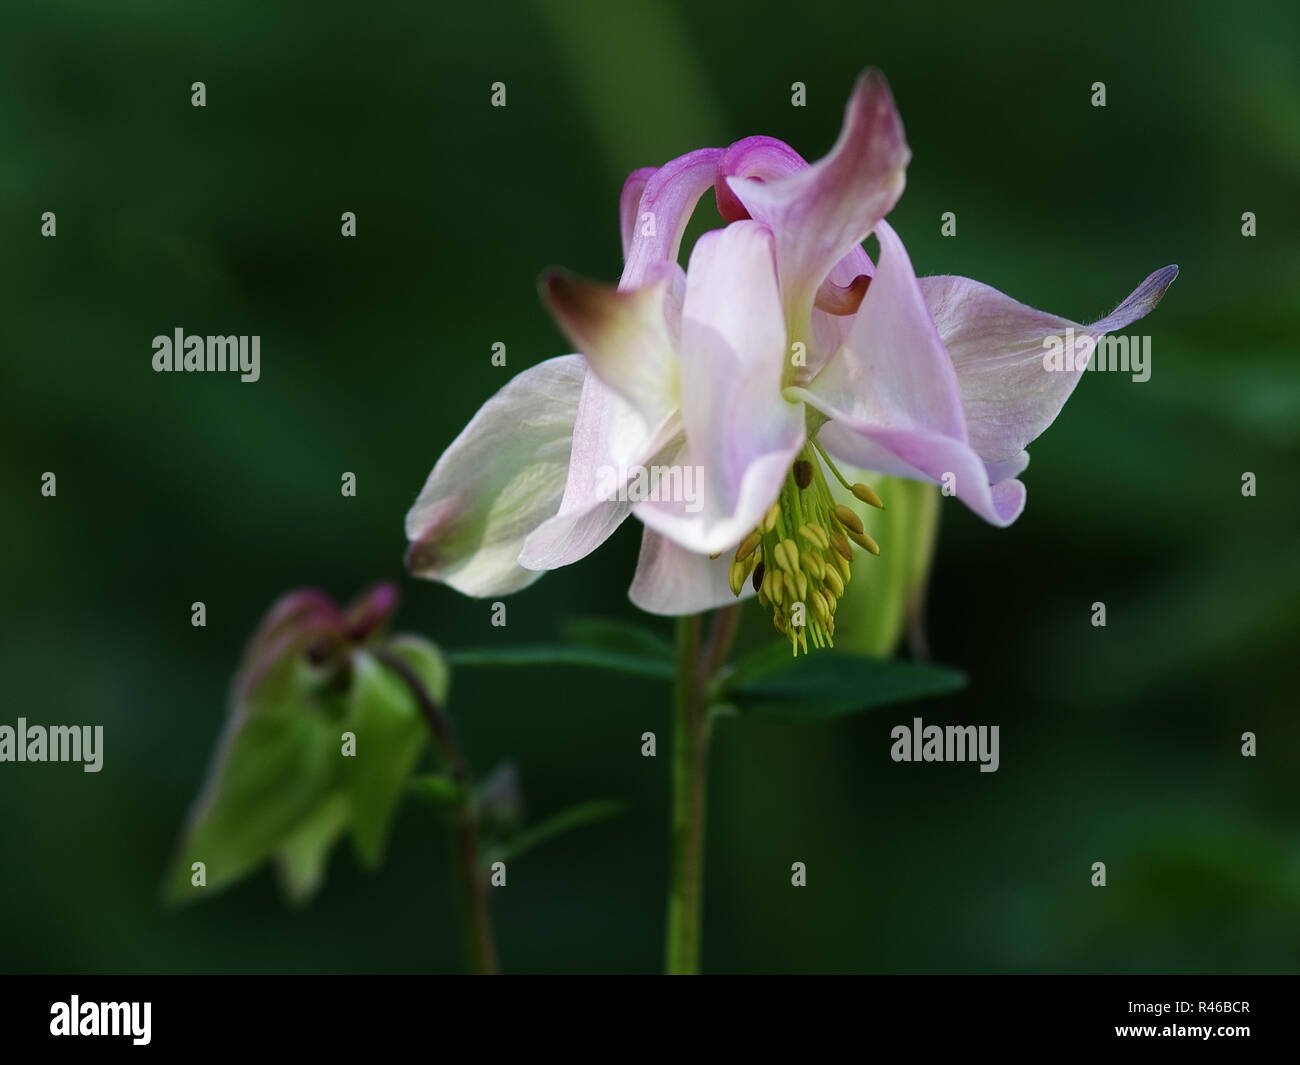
column 654, row 484
column 946, row 743
column 1123, row 354
column 197, row 354
column 132, row 1019
column 53, row 743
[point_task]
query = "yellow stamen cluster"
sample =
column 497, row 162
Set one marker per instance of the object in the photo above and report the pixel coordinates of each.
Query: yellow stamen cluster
column 798, row 557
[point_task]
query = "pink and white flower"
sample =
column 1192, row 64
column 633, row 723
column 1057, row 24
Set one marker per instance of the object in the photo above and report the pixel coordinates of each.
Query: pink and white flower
column 779, row 350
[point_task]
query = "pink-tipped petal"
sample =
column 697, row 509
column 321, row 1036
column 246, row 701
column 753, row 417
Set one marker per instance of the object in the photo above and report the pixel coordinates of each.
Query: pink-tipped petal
column 627, row 335
column 820, row 213
column 921, row 455
column 997, row 347
column 766, row 159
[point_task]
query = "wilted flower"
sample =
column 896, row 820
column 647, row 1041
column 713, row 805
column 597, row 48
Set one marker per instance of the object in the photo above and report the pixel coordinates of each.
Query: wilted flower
column 779, row 350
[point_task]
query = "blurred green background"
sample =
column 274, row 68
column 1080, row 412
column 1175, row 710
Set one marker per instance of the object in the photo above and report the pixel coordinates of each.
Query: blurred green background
column 1118, row 744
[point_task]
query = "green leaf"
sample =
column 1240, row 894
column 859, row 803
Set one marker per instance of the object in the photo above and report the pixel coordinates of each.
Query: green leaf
column 611, row 635
column 642, row 665
column 771, row 686
column 301, row 860
column 274, row 767
column 390, row 733
column 586, row 813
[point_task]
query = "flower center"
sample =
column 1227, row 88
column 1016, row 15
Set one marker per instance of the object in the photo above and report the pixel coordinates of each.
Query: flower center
column 799, row 556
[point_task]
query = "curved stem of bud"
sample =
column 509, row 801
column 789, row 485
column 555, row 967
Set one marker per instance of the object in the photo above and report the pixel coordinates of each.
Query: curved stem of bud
column 480, row 944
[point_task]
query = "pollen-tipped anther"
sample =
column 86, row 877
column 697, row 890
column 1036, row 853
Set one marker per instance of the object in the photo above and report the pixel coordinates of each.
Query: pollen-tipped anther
column 864, row 540
column 848, row 518
column 868, row 495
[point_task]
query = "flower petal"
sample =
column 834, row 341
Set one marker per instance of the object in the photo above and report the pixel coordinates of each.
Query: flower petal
column 741, row 434
column 672, row 580
column 768, row 159
column 591, row 507
column 1004, row 468
column 818, row 214
column 608, row 433
column 997, row 349
column 893, row 370
column 892, row 397
column 574, row 532
column 925, row 456
column 760, row 158
column 499, row 479
column 629, row 202
column 670, row 196
column 627, row 335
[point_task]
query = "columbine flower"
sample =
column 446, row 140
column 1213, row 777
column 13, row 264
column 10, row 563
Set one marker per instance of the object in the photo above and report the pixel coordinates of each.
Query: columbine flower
column 781, row 348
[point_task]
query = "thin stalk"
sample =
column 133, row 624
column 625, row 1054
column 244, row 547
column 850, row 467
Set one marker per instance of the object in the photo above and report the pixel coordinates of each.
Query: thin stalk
column 696, row 668
column 471, row 886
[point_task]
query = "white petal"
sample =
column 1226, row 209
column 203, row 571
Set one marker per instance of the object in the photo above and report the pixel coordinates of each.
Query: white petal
column 672, row 580
column 500, row 478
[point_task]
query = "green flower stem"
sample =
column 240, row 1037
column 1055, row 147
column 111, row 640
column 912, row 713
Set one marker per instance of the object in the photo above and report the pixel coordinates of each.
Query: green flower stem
column 696, row 668
column 475, row 917
column 471, row 885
